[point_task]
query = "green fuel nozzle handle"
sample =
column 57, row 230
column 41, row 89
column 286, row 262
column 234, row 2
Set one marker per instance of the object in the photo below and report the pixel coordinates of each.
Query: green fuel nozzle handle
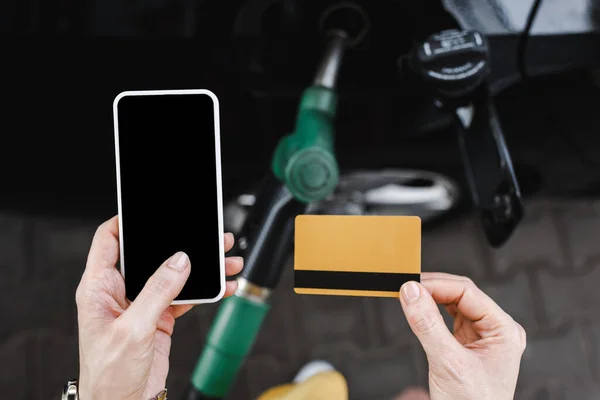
column 305, row 159
column 230, row 339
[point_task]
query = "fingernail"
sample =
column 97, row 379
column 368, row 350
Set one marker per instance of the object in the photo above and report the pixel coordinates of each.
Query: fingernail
column 229, row 235
column 410, row 291
column 179, row 261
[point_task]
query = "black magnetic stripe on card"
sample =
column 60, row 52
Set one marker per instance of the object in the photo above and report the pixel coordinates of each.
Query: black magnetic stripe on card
column 341, row 280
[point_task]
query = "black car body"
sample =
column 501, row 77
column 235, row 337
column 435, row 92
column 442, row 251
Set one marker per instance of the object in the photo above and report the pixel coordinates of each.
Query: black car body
column 64, row 62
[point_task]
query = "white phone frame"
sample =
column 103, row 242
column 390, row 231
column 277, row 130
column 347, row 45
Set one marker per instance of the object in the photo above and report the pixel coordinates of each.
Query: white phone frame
column 220, row 232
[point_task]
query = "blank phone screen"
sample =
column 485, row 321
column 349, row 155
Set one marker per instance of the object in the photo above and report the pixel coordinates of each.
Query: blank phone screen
column 168, row 189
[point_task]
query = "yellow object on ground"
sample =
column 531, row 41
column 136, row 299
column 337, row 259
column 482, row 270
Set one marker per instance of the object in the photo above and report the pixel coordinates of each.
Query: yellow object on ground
column 327, row 385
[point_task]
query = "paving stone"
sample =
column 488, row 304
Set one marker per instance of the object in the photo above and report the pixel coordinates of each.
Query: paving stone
column 279, row 333
column 38, row 305
column 323, row 320
column 561, row 356
column 188, row 341
column 189, row 337
column 557, row 389
column 179, row 380
column 541, row 391
column 14, row 255
column 581, row 229
column 454, row 248
column 367, row 339
column 57, row 360
column 575, row 390
column 568, row 297
column 394, row 325
column 61, row 248
column 329, row 319
column 399, row 334
column 263, row 372
column 447, row 318
column 388, row 369
column 594, row 335
column 379, row 373
column 16, row 377
column 535, row 242
column 240, row 389
column 516, row 298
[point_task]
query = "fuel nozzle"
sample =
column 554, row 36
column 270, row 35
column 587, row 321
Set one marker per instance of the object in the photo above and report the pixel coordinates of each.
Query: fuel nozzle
column 305, row 159
column 331, row 61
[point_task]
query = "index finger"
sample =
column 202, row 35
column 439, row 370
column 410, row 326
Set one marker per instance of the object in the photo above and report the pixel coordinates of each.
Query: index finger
column 443, row 275
column 229, row 241
column 471, row 301
column 104, row 252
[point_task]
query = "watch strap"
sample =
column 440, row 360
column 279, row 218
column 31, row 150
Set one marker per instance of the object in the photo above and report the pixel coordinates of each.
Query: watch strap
column 71, row 390
column 161, row 396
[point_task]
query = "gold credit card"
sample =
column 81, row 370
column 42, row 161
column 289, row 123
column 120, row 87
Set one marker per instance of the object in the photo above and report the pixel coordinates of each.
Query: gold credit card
column 356, row 255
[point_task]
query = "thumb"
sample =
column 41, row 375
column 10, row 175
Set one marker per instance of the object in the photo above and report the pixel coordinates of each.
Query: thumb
column 425, row 320
column 159, row 292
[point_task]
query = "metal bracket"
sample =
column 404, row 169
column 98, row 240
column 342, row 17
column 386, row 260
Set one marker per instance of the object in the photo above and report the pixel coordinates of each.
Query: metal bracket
column 489, row 168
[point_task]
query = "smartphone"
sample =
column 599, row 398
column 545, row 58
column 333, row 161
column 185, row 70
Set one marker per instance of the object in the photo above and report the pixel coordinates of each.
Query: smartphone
column 169, row 188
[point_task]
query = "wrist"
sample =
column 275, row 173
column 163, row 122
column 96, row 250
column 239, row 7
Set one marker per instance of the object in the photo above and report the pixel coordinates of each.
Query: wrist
column 82, row 392
column 85, row 393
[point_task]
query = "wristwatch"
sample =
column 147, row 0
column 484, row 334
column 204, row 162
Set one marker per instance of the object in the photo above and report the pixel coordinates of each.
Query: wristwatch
column 161, row 396
column 71, row 392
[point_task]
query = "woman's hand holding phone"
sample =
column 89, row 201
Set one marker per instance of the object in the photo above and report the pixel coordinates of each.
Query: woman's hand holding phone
column 124, row 346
